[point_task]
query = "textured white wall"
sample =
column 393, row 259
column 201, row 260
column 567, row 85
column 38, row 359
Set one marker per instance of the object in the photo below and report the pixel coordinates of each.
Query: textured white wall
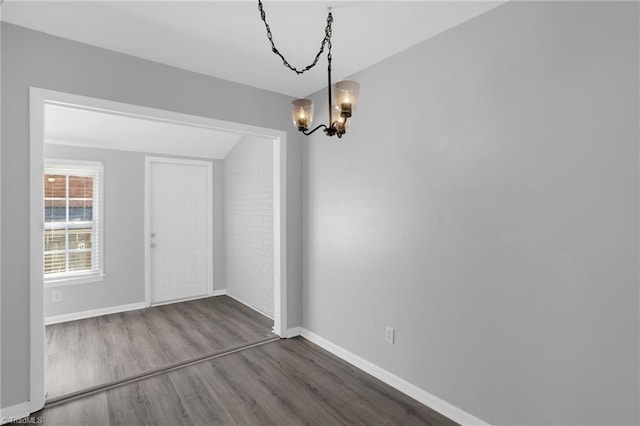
column 248, row 223
column 485, row 204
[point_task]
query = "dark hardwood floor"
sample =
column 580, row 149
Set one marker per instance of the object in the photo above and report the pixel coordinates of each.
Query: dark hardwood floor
column 94, row 351
column 285, row 382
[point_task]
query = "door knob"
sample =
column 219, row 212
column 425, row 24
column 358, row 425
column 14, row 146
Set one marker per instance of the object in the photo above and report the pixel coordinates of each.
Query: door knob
column 153, row 234
column 153, row 245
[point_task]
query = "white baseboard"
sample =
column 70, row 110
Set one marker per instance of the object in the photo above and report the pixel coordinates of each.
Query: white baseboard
column 93, row 313
column 55, row 319
column 188, row 299
column 454, row 413
column 293, row 332
column 249, row 305
column 14, row 412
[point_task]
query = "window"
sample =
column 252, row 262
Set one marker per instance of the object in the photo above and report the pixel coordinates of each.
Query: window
column 72, row 222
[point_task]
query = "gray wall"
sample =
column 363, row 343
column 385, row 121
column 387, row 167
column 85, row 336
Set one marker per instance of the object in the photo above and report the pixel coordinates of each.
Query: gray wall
column 248, row 223
column 1, row 132
column 123, row 232
column 485, row 204
column 30, row 58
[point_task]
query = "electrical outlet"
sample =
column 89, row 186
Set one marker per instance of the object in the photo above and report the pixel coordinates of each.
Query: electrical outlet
column 56, row 296
column 390, row 335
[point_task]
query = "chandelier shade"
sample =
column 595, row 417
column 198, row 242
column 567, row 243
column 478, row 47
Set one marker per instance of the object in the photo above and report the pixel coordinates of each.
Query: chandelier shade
column 345, row 97
column 302, row 111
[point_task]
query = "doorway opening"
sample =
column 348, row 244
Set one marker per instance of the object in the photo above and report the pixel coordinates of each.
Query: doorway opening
column 43, row 99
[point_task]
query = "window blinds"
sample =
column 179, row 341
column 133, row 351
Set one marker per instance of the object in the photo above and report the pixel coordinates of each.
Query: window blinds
column 72, row 219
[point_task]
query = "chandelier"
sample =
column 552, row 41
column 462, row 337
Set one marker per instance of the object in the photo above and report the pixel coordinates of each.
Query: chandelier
column 343, row 96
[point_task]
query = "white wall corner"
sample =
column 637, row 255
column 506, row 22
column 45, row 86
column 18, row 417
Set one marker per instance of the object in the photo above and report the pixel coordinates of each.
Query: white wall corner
column 14, row 413
column 222, row 292
column 446, row 409
column 249, row 305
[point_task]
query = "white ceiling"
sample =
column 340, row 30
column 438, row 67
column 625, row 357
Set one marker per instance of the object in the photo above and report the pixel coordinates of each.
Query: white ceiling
column 227, row 39
column 95, row 129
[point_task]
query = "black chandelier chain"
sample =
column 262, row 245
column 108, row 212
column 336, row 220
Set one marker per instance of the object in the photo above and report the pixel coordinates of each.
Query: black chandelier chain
column 326, row 41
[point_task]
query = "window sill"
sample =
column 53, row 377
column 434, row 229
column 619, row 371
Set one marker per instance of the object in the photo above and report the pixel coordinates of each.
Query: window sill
column 73, row 280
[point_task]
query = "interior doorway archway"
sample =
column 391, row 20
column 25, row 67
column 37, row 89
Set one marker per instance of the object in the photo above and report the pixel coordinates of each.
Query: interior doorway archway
column 39, row 98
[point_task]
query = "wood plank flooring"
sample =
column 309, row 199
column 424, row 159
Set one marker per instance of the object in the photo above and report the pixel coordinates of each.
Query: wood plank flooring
column 286, row 382
column 94, row 351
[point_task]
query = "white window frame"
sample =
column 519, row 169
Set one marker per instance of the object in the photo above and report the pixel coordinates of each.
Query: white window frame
column 94, row 167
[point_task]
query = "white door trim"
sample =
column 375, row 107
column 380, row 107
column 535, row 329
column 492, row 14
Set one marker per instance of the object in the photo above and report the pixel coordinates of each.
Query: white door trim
column 38, row 99
column 147, row 218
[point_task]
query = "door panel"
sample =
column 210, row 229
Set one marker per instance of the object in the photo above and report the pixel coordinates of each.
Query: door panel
column 179, row 199
column 166, row 276
column 193, row 260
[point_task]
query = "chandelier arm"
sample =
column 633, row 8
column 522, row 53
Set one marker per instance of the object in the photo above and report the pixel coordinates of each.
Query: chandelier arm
column 318, row 127
column 325, row 40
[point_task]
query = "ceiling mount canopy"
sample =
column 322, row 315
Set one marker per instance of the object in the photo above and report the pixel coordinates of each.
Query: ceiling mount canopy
column 342, row 103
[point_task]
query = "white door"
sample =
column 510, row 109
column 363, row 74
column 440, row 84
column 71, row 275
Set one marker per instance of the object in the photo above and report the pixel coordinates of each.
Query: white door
column 180, row 239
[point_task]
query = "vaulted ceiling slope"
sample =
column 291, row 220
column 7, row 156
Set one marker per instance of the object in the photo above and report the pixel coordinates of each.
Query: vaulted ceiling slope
column 227, row 39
